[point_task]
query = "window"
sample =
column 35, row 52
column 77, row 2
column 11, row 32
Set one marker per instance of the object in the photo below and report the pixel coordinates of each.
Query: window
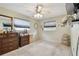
column 5, row 23
column 50, row 26
column 21, row 25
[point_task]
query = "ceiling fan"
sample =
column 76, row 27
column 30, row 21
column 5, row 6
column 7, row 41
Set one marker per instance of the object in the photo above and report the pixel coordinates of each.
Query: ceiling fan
column 38, row 11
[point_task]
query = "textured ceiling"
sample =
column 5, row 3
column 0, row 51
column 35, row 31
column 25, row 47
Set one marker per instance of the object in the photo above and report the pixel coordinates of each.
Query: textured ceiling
column 28, row 9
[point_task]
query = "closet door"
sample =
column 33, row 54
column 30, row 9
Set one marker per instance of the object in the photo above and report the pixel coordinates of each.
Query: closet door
column 74, row 38
column 77, row 50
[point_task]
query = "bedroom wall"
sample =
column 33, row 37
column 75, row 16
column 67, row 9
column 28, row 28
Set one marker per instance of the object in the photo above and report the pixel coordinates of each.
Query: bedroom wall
column 11, row 13
column 56, row 35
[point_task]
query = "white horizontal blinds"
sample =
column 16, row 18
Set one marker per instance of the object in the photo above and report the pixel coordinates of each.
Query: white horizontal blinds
column 50, row 25
column 21, row 24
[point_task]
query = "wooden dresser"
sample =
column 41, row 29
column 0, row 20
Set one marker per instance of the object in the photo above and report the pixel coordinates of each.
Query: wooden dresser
column 1, row 37
column 24, row 40
column 9, row 42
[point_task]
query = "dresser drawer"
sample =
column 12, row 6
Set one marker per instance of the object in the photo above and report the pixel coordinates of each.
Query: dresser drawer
column 13, row 39
column 14, row 42
column 24, row 37
column 5, row 45
column 5, row 50
column 1, row 35
column 24, row 43
column 12, row 48
column 25, row 40
column 4, row 41
column 12, row 35
column 9, row 47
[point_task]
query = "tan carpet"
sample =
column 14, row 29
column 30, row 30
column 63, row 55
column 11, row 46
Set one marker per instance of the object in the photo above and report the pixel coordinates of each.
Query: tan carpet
column 41, row 48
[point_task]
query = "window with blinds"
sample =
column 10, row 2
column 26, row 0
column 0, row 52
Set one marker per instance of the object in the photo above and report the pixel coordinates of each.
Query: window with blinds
column 50, row 26
column 5, row 23
column 21, row 25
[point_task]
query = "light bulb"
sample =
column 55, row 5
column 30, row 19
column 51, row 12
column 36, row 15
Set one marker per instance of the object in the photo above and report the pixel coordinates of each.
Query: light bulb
column 38, row 15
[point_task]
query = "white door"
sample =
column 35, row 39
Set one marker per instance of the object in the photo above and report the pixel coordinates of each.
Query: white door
column 74, row 37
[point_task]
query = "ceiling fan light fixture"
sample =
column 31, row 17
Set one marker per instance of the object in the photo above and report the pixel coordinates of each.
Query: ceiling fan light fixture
column 38, row 15
column 39, row 8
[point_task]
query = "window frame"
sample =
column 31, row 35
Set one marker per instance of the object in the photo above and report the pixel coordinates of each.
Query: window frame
column 21, row 26
column 11, row 20
column 50, row 27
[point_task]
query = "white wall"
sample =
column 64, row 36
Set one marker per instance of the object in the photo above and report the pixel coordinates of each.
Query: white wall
column 54, row 36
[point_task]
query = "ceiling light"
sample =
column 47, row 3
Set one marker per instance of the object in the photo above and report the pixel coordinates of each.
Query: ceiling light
column 38, row 15
column 38, row 11
column 39, row 8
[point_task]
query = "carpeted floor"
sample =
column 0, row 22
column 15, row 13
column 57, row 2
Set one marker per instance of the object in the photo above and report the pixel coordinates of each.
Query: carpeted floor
column 41, row 48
